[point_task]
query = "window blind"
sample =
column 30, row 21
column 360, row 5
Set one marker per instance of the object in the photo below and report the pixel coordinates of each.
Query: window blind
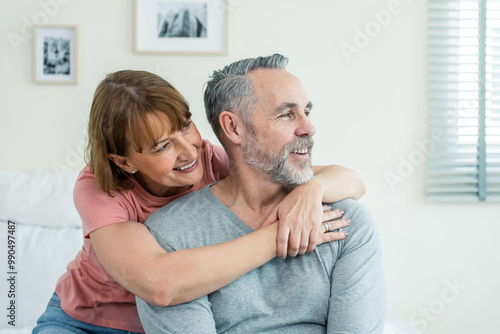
column 463, row 93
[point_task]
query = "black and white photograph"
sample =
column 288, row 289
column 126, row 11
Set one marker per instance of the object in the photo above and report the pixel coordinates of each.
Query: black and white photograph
column 185, row 20
column 177, row 26
column 55, row 55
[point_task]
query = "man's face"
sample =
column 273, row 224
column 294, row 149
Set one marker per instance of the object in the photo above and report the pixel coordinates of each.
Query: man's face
column 280, row 142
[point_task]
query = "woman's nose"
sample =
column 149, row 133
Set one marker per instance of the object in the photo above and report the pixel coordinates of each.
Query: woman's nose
column 187, row 150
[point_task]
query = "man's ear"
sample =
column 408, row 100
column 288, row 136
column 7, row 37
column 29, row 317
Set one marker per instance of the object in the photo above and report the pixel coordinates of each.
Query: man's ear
column 232, row 126
column 122, row 162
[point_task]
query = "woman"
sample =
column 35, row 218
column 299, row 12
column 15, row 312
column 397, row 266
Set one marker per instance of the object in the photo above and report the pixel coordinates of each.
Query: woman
column 144, row 152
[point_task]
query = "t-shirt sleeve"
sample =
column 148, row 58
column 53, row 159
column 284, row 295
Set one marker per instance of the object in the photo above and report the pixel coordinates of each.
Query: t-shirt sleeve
column 95, row 207
column 220, row 162
column 217, row 161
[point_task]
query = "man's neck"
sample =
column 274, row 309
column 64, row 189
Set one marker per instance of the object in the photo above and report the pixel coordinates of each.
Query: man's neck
column 251, row 195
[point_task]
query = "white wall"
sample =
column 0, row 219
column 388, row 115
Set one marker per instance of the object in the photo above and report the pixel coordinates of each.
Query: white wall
column 369, row 113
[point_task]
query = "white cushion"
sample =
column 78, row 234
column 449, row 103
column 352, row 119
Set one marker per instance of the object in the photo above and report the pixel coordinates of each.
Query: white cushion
column 41, row 257
column 43, row 198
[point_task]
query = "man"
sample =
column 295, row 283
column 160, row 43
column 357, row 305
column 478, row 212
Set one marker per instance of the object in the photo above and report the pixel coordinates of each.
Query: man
column 259, row 111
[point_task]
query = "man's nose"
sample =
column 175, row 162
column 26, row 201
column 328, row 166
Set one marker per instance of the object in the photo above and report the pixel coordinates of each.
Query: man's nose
column 305, row 127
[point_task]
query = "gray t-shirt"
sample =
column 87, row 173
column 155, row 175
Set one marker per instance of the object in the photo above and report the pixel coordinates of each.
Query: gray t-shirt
column 337, row 288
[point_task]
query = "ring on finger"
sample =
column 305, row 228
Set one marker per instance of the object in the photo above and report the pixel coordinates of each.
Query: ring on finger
column 327, row 226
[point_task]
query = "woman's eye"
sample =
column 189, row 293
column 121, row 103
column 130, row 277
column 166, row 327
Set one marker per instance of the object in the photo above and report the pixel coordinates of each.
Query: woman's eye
column 187, row 126
column 164, row 147
column 288, row 114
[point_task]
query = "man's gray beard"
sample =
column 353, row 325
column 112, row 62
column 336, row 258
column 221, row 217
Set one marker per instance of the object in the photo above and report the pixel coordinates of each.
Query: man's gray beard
column 276, row 166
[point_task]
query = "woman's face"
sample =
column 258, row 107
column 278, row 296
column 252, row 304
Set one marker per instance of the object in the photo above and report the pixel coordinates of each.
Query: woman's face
column 171, row 167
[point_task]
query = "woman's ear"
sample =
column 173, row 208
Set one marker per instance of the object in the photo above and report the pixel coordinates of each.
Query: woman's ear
column 122, row 162
column 232, row 127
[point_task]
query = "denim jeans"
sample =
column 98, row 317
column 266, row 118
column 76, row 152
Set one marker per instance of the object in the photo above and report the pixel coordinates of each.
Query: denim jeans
column 55, row 321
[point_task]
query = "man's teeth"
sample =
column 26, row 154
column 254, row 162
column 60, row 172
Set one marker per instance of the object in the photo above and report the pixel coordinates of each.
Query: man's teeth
column 302, row 151
column 186, row 167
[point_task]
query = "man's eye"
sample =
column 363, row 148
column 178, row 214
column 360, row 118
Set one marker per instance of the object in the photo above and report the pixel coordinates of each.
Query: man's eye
column 307, row 113
column 288, row 114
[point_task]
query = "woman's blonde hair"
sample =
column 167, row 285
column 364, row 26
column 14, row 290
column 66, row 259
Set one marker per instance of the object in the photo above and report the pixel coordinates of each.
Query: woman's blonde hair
column 130, row 109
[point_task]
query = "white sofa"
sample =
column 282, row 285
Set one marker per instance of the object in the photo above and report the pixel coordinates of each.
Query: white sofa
column 48, row 235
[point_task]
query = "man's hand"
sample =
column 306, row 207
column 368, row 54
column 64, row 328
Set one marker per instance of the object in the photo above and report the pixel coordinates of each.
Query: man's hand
column 300, row 216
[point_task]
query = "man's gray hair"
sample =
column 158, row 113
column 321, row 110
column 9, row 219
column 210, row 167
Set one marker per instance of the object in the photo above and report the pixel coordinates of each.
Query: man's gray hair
column 231, row 89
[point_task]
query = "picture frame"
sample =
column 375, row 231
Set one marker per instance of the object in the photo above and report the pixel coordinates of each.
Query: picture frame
column 181, row 26
column 55, row 54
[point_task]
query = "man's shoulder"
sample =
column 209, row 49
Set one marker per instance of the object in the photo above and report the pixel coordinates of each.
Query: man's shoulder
column 180, row 207
column 351, row 207
column 193, row 220
column 358, row 213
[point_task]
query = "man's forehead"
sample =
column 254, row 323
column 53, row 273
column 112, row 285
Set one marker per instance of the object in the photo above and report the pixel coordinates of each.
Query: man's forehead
column 267, row 75
column 277, row 85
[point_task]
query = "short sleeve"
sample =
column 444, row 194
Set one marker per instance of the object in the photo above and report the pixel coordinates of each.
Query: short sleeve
column 216, row 163
column 220, row 162
column 95, row 207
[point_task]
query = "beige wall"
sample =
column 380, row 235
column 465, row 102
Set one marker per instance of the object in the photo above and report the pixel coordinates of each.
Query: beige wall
column 369, row 110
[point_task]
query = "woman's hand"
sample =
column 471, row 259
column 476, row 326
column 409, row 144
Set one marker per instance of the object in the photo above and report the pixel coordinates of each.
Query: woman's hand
column 300, row 216
column 301, row 213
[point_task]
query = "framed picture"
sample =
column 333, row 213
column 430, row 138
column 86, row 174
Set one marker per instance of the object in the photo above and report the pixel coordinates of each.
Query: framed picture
column 181, row 26
column 55, row 54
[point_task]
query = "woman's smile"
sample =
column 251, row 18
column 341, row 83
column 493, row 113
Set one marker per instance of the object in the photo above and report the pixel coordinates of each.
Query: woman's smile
column 187, row 168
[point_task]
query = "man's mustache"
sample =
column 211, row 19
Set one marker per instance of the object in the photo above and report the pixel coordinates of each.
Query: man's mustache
column 300, row 144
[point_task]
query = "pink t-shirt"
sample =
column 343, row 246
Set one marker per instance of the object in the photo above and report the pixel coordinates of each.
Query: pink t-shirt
column 88, row 293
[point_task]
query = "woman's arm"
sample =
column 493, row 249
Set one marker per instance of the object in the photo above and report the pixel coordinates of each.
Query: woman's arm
column 131, row 255
column 299, row 213
column 337, row 183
